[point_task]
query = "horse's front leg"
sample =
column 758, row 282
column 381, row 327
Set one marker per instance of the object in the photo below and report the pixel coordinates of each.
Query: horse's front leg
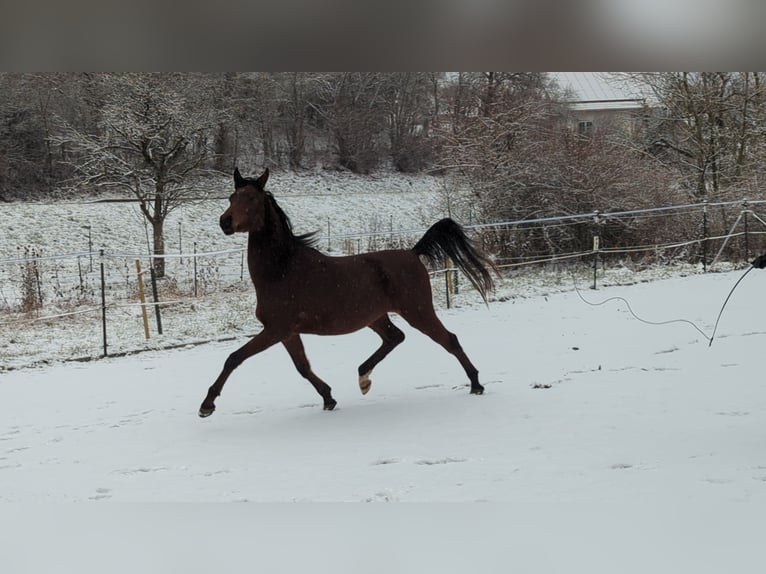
column 295, row 348
column 260, row 342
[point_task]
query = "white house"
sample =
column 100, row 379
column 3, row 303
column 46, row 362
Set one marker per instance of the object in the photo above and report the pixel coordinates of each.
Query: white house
column 598, row 100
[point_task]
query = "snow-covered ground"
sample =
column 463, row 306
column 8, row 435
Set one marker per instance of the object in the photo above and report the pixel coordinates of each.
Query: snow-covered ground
column 583, row 403
column 585, row 409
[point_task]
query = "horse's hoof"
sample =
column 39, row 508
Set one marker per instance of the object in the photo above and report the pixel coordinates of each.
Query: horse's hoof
column 365, row 383
column 206, row 412
column 477, row 390
column 330, row 405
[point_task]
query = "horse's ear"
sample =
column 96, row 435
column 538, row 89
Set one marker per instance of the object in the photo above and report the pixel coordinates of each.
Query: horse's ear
column 263, row 179
column 238, row 179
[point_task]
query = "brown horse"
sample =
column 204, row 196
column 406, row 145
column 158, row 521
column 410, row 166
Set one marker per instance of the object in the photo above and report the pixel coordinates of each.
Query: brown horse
column 300, row 290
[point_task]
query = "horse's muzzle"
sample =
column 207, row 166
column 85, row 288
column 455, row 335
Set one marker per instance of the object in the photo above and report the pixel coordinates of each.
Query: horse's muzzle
column 226, row 224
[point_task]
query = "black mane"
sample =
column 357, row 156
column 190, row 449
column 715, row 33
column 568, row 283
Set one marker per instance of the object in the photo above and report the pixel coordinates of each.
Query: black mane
column 305, row 239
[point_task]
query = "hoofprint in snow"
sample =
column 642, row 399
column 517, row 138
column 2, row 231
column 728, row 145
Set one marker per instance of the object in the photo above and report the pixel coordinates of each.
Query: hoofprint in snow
column 583, row 405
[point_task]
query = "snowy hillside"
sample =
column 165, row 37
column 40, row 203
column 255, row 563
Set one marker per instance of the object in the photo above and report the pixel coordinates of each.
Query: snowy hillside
column 352, row 204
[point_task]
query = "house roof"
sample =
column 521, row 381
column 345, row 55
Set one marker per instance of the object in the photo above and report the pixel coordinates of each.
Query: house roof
column 598, row 91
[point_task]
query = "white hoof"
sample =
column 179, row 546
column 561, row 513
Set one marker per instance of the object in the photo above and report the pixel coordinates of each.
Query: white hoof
column 365, row 383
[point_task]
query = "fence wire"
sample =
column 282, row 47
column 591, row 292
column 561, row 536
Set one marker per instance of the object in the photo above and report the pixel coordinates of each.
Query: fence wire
column 45, row 288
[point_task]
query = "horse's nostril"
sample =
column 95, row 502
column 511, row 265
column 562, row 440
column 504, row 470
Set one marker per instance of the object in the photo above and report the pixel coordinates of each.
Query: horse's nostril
column 226, row 224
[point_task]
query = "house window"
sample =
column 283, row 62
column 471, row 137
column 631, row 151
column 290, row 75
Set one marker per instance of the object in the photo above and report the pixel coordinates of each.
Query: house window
column 585, row 128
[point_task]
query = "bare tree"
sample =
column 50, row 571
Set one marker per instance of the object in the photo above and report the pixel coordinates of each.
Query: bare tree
column 26, row 164
column 493, row 142
column 410, row 109
column 153, row 141
column 294, row 91
column 710, row 126
column 515, row 148
column 352, row 107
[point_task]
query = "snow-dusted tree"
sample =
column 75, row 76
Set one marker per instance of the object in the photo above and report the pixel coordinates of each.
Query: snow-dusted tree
column 294, row 90
column 352, row 106
column 273, row 117
column 28, row 102
column 22, row 153
column 511, row 139
column 711, row 128
column 411, row 104
column 496, row 127
column 154, row 141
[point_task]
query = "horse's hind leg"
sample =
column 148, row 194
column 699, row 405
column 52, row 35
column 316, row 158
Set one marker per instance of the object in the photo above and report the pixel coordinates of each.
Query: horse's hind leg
column 294, row 347
column 424, row 319
column 391, row 336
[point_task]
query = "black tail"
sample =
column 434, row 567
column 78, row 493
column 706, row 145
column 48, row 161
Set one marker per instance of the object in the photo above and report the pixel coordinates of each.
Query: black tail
column 446, row 238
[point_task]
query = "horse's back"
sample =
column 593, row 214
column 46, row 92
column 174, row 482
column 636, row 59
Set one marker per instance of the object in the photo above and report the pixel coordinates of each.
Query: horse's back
column 381, row 275
column 334, row 295
column 398, row 271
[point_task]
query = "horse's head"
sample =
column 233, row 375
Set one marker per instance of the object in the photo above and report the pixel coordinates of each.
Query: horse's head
column 247, row 205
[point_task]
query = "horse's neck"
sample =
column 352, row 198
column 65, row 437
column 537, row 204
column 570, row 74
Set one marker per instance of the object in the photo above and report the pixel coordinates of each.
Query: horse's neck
column 268, row 257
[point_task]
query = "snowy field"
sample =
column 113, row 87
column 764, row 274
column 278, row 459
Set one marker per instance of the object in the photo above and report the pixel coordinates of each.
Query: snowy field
column 351, row 204
column 586, row 409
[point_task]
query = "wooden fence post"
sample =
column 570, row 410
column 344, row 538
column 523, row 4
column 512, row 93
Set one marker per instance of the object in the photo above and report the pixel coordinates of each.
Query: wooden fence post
column 142, row 298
